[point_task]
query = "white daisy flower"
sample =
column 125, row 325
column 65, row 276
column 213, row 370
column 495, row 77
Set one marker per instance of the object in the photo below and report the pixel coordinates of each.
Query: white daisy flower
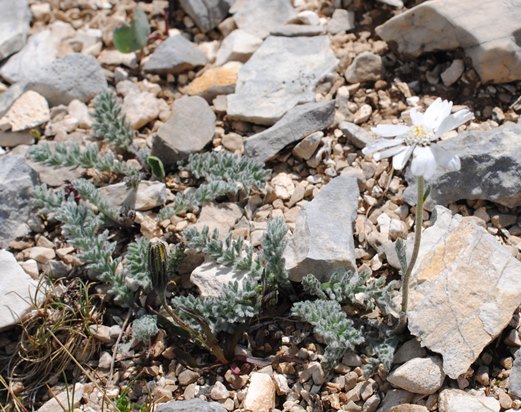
column 417, row 140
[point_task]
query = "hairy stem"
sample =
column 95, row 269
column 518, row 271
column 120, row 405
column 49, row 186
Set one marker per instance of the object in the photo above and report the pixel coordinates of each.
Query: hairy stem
column 416, row 249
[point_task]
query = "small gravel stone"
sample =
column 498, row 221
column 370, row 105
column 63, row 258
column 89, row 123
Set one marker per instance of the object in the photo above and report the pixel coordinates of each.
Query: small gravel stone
column 187, row 377
column 261, row 393
column 219, row 392
column 419, row 375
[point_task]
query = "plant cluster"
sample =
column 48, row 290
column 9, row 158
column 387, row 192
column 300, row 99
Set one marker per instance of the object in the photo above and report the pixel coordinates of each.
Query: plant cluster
column 216, row 324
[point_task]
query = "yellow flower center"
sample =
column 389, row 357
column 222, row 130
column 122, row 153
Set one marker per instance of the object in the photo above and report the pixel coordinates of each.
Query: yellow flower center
column 418, row 135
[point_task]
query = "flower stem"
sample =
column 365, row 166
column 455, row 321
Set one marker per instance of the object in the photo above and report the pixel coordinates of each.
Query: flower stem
column 414, row 256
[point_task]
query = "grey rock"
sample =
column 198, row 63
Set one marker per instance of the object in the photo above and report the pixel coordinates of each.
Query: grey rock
column 409, row 350
column 148, row 195
column 219, row 216
column 464, row 289
column 12, row 139
column 341, row 21
column 356, row 135
column 455, row 400
column 8, row 97
column 269, row 85
column 41, row 49
column 16, row 289
column 210, row 278
column 260, row 21
column 305, row 148
column 494, row 48
column 490, row 169
column 419, row 375
column 180, row 135
column 75, row 76
column 323, row 237
column 239, row 45
column 365, row 67
column 295, row 30
column 394, row 397
column 206, row 14
column 175, row 55
column 514, row 379
column 294, row 126
column 17, row 180
column 191, row 406
column 14, row 23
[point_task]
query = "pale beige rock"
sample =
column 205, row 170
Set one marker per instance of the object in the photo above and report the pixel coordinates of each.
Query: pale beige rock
column 283, row 185
column 239, row 45
column 408, row 407
column 116, row 58
column 419, row 375
column 30, row 110
column 463, row 291
column 16, row 289
column 30, row 267
column 219, row 216
column 365, row 67
column 79, row 111
column 215, row 81
column 210, row 278
column 455, row 400
column 446, row 24
column 452, row 73
column 140, row 108
column 40, row 254
column 64, row 398
column 149, row 195
column 261, row 393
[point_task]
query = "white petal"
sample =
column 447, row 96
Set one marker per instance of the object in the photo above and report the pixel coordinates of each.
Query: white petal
column 416, row 117
column 423, row 162
column 390, row 130
column 436, row 113
column 400, row 160
column 453, row 121
column 388, row 153
column 381, row 144
column 446, row 159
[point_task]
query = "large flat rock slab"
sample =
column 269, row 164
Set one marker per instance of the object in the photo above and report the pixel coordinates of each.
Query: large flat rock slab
column 14, row 26
column 282, row 73
column 463, row 292
column 489, row 34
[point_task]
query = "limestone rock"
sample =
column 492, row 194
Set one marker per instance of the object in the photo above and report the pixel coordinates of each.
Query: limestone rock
column 17, row 180
column 261, row 393
column 419, row 375
column 296, row 124
column 41, row 50
column 148, row 196
column 64, row 398
column 190, row 406
column 514, row 380
column 356, row 135
column 452, row 73
column 455, row 400
column 140, row 108
column 365, row 67
column 175, row 55
column 308, row 145
column 215, row 81
column 29, row 110
column 8, row 97
column 297, row 30
column 14, row 22
column 75, row 76
column 206, row 14
column 117, row 58
column 180, row 135
column 409, row 407
column 210, row 278
column 13, row 139
column 395, row 397
column 490, row 165
column 260, row 21
column 323, row 238
column 409, row 350
column 219, row 216
column 463, row 291
column 341, row 21
column 446, row 24
column 239, row 45
column 16, row 289
column 269, row 85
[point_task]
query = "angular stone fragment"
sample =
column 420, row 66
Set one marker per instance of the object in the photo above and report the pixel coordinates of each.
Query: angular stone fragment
column 14, row 26
column 323, row 239
column 494, row 48
column 356, row 135
column 463, row 291
column 140, row 108
column 294, row 126
column 419, row 375
column 514, row 380
column 181, row 135
column 175, row 55
column 149, row 195
column 490, row 169
column 341, row 21
column 190, row 406
column 239, row 45
column 75, row 76
column 29, row 110
column 210, row 278
column 215, row 81
column 17, row 181
column 261, row 393
column 365, row 67
column 455, row 400
column 219, row 216
column 16, row 289
column 260, row 21
column 269, row 84
column 206, row 14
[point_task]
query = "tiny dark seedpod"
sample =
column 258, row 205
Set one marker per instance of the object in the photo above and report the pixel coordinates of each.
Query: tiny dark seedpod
column 157, row 265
